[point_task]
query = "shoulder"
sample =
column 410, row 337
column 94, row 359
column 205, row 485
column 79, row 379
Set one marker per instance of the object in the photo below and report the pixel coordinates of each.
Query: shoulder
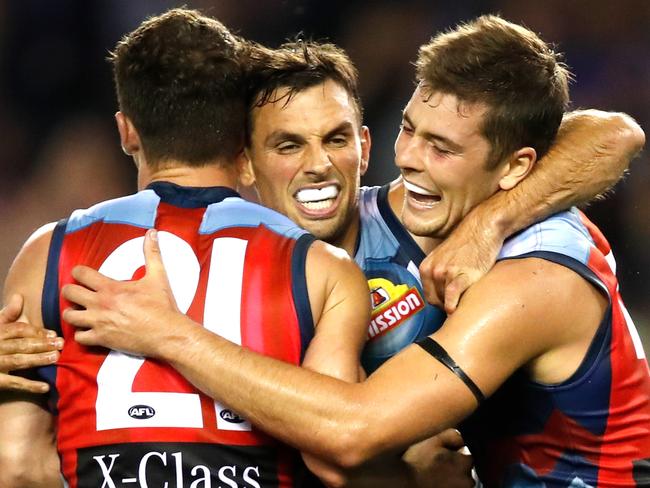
column 330, row 261
column 522, row 311
column 138, row 209
column 27, row 272
column 332, row 276
column 532, row 290
column 236, row 212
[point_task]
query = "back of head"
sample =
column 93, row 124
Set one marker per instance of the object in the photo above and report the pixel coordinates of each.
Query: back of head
column 179, row 79
column 508, row 68
column 298, row 66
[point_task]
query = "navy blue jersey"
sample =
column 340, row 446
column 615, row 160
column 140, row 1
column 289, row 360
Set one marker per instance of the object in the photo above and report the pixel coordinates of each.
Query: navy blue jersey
column 390, row 258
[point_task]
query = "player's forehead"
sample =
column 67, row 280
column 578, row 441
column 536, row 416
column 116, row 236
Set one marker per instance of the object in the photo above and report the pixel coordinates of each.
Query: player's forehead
column 319, row 107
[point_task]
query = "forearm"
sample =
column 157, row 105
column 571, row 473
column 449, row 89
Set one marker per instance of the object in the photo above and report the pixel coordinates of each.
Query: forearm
column 590, row 154
column 312, row 412
column 28, row 454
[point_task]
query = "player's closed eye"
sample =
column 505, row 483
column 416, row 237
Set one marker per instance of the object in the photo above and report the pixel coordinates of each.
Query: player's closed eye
column 288, row 147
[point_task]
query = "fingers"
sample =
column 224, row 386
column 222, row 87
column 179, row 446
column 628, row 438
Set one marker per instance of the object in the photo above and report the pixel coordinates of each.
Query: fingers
column 79, row 318
column 450, row 439
column 17, row 330
column 13, row 362
column 89, row 277
column 17, row 383
column 87, row 337
column 30, row 345
column 429, row 283
column 454, row 291
column 152, row 257
column 78, row 294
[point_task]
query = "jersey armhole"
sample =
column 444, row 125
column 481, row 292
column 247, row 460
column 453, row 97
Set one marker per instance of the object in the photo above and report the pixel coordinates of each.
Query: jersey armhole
column 50, row 308
column 602, row 337
column 300, row 291
column 568, row 262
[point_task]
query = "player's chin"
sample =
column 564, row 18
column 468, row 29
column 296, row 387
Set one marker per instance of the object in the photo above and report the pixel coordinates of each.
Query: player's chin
column 422, row 223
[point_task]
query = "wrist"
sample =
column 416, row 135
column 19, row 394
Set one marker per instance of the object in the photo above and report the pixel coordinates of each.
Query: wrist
column 490, row 223
column 175, row 339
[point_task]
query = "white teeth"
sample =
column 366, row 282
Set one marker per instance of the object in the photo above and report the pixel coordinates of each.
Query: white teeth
column 322, row 205
column 308, row 195
column 417, row 189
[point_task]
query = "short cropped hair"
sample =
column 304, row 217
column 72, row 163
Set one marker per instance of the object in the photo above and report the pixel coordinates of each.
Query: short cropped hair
column 297, row 66
column 508, row 68
column 179, row 78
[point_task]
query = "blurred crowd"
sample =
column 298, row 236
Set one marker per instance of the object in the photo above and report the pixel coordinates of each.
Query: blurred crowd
column 60, row 149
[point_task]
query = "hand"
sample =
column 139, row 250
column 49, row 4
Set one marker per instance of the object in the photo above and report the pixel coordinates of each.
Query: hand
column 441, row 461
column 459, row 261
column 128, row 316
column 24, row 346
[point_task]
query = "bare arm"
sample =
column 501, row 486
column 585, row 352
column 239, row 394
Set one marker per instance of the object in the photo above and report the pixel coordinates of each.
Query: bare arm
column 28, row 455
column 590, row 154
column 344, row 423
column 337, row 293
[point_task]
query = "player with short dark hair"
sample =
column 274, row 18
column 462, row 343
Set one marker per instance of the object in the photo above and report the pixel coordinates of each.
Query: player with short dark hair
column 307, row 149
column 119, row 419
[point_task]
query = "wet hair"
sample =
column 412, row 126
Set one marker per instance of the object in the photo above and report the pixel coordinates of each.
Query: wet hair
column 179, row 78
column 507, row 67
column 297, row 66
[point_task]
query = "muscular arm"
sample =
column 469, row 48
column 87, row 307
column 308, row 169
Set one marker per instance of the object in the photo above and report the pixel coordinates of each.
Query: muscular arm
column 590, row 154
column 27, row 452
column 337, row 292
column 344, row 423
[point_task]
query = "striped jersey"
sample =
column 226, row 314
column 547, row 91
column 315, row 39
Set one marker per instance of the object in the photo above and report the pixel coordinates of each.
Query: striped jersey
column 592, row 430
column 234, row 267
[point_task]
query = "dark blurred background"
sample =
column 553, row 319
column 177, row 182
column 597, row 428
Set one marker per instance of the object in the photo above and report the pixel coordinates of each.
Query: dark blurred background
column 60, row 149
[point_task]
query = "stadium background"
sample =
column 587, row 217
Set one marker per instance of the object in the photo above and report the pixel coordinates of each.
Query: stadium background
column 60, row 150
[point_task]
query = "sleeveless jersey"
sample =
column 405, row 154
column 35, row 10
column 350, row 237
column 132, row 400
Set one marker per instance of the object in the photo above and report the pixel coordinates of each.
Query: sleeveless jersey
column 592, row 430
column 389, row 257
column 128, row 421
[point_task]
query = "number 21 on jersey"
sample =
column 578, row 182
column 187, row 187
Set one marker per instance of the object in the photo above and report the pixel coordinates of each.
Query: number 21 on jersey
column 118, row 406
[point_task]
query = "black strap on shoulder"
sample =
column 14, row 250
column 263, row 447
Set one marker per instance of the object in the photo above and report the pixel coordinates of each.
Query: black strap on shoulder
column 438, row 352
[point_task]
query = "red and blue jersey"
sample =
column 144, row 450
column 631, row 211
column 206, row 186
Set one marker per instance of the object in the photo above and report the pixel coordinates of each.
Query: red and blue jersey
column 592, row 430
column 127, row 421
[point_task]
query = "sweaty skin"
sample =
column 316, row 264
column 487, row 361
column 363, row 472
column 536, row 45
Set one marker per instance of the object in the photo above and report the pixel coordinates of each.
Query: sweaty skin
column 347, row 424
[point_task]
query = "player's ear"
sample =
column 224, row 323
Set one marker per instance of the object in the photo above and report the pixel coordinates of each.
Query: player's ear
column 129, row 137
column 365, row 149
column 520, row 164
column 246, row 174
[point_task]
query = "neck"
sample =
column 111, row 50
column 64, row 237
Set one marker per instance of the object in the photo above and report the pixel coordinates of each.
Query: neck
column 396, row 202
column 203, row 176
column 348, row 241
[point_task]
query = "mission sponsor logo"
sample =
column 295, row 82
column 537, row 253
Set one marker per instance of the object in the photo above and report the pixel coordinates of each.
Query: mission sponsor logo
column 391, row 305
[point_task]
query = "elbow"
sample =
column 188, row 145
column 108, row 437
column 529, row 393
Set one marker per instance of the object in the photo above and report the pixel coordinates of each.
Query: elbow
column 629, row 134
column 356, row 444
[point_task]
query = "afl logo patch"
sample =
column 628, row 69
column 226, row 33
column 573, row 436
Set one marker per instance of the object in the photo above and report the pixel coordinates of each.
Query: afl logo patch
column 141, row 412
column 230, row 416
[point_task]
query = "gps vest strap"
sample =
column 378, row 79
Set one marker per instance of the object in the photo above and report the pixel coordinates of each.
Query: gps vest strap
column 438, row 352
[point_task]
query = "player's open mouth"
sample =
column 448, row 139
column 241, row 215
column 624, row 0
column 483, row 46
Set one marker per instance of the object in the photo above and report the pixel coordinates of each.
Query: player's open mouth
column 318, row 201
column 420, row 196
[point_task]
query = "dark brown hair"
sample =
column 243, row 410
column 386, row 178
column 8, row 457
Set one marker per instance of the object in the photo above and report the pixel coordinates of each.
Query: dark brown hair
column 178, row 77
column 297, row 66
column 508, row 68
